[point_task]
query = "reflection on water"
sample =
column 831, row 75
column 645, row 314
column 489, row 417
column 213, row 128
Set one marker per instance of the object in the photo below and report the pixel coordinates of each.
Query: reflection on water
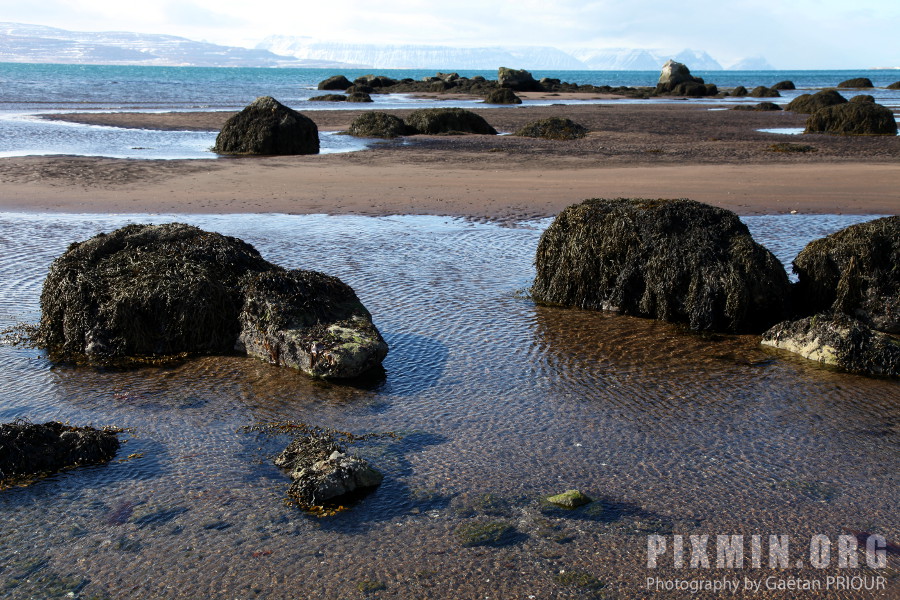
column 671, row 431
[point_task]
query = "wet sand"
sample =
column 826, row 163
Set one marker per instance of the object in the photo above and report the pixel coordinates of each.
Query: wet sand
column 649, row 150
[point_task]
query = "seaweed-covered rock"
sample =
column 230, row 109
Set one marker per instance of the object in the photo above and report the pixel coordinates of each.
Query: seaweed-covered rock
column 322, row 471
column 432, row 121
column 329, row 98
column 863, row 98
column 375, row 81
column 502, row 96
column 674, row 260
column 840, row 341
column 359, row 97
column 359, row 88
column 28, row 449
column 893, row 86
column 378, row 125
column 553, row 128
column 309, row 321
column 268, row 127
column 853, row 118
column 853, row 271
column 147, row 290
column 857, row 83
column 810, row 103
column 784, row 85
column 762, row 91
column 761, row 107
column 335, row 82
column 739, row 92
column 518, row 80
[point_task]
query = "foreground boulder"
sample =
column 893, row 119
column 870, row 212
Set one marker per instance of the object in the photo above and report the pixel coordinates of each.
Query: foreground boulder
column 378, row 125
column 518, row 80
column 673, row 260
column 502, row 96
column 857, row 83
column 554, row 128
column 322, row 471
column 28, row 449
column 160, row 290
column 435, row 121
column 853, row 118
column 267, row 127
column 840, row 341
column 810, row 103
column 336, row 82
column 309, row 321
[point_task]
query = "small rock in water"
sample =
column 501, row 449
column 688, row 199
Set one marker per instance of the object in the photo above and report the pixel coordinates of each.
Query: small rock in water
column 570, row 499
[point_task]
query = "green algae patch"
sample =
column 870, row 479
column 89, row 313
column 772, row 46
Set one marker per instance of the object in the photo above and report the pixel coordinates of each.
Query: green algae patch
column 579, row 579
column 486, row 533
column 570, row 499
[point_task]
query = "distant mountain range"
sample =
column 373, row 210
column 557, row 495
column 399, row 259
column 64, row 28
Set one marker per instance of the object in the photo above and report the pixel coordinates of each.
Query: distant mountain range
column 39, row 44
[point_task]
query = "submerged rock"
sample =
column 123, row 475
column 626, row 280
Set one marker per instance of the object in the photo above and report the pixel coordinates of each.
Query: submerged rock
column 502, row 96
column 673, row 260
column 267, row 127
column 554, row 128
column 309, row 321
column 432, row 121
column 840, row 341
column 853, row 118
column 570, row 499
column 518, row 80
column 28, row 449
column 856, row 82
column 810, row 103
column 378, row 125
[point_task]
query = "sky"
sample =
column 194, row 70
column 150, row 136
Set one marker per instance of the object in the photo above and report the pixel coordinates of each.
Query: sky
column 797, row 34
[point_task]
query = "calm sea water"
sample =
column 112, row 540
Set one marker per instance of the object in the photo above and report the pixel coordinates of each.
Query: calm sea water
column 30, row 89
column 499, row 402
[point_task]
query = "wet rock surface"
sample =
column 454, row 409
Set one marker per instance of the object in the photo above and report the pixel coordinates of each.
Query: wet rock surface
column 267, row 127
column 433, row 121
column 810, row 103
column 554, row 128
column 853, row 118
column 378, row 125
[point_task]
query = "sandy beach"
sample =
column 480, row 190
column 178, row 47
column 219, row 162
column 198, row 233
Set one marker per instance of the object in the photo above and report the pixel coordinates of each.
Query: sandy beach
column 633, row 150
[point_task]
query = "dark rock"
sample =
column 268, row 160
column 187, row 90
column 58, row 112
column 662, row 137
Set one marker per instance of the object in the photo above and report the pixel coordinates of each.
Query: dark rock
column 28, row 450
column 329, row 98
column 375, row 81
column 322, row 471
column 268, row 127
column 762, row 107
column 336, row 82
column 502, row 96
column 517, row 80
column 448, row 77
column 857, row 82
column 378, row 125
column 674, row 260
column 433, row 121
column 554, row 128
column 309, row 321
column 840, row 341
column 689, row 88
column 360, row 89
column 762, row 91
column 853, row 271
column 784, row 85
column 894, row 86
column 359, row 97
column 739, row 92
column 853, row 118
column 863, row 98
column 810, row 103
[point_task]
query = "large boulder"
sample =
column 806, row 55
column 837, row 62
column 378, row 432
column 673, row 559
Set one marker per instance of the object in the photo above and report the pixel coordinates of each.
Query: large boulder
column 434, row 121
column 853, row 271
column 29, row 450
column 161, row 290
column 518, row 80
column 553, row 128
column 378, row 125
column 675, row 79
column 674, row 260
column 321, row 471
column 502, row 96
column 784, row 85
column 810, row 103
column 309, row 321
column 673, row 73
column 857, row 83
column 335, row 82
column 267, row 127
column 853, row 118
column 837, row 340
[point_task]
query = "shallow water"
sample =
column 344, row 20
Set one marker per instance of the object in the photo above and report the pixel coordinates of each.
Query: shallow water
column 672, row 432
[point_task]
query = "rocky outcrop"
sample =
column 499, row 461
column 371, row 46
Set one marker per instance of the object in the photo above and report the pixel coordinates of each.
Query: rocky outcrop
column 837, row 340
column 675, row 79
column 784, row 85
column 810, row 103
column 378, row 125
column 29, row 450
column 502, row 96
column 554, row 128
column 853, row 118
column 336, row 82
column 518, row 80
column 150, row 291
column 673, row 260
column 267, row 127
column 857, row 83
column 762, row 91
column 673, row 73
column 321, row 471
column 309, row 321
column 436, row 121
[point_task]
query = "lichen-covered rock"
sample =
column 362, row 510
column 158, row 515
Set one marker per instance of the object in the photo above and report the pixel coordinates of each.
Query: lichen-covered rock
column 810, row 103
column 570, row 499
column 321, row 471
column 784, row 85
column 840, row 341
column 434, row 121
column 853, row 271
column 267, row 127
column 378, row 125
column 335, row 82
column 853, row 118
column 673, row 260
column 553, row 128
column 502, row 96
column 762, row 91
column 856, row 82
column 518, row 80
column 309, row 321
column 28, row 449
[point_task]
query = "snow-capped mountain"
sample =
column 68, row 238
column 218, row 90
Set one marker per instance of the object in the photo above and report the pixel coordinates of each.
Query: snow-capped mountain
column 753, row 63
column 636, row 59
